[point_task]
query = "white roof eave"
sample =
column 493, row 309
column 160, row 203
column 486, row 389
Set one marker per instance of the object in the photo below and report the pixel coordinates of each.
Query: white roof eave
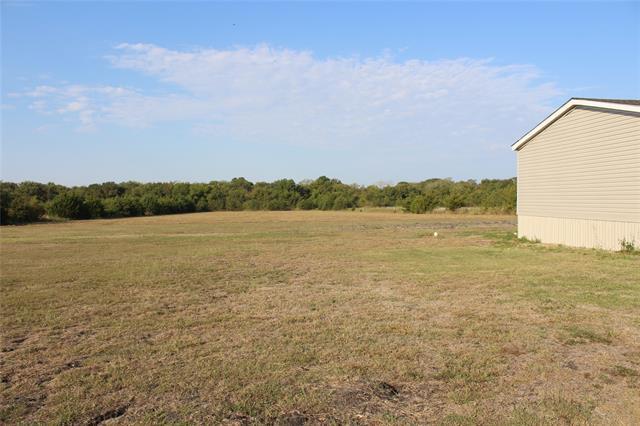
column 571, row 103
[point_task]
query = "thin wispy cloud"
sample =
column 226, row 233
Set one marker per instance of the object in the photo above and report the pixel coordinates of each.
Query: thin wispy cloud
column 85, row 104
column 277, row 95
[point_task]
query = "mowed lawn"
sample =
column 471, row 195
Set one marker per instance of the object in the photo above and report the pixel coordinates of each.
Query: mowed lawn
column 314, row 317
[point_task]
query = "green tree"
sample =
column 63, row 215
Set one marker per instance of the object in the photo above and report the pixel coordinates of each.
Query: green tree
column 69, row 205
column 24, row 209
column 216, row 197
column 123, row 206
column 418, row 204
column 7, row 191
column 235, row 199
column 124, row 199
column 454, row 201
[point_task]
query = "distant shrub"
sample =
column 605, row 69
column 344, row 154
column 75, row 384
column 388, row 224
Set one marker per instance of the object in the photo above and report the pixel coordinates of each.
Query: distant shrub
column 454, row 201
column 94, row 208
column 69, row 205
column 235, row 199
column 7, row 192
column 24, row 209
column 418, row 204
column 216, row 201
column 201, row 205
column 123, row 207
column 251, row 205
column 342, row 202
column 306, row 204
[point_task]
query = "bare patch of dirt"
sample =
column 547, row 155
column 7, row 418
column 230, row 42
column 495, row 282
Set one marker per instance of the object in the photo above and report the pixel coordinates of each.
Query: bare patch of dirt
column 293, row 418
column 239, row 419
column 513, row 349
column 108, row 415
column 385, row 390
column 13, row 344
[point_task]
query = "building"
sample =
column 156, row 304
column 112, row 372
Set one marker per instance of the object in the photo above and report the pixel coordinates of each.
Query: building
column 579, row 175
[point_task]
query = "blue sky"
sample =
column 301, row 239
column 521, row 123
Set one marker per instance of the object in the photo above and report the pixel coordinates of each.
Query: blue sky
column 365, row 92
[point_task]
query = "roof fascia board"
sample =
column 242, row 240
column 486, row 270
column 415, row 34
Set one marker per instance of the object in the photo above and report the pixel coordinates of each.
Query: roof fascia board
column 564, row 109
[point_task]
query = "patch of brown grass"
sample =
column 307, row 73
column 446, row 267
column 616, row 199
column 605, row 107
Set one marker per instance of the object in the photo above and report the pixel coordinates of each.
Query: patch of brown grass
column 313, row 317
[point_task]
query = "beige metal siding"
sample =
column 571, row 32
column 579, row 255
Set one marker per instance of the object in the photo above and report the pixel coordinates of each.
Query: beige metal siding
column 602, row 234
column 584, row 167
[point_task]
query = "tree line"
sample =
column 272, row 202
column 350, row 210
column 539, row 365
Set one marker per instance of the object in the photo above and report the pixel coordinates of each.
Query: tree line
column 32, row 201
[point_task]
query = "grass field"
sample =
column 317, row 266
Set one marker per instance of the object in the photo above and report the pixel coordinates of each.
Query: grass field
column 316, row 317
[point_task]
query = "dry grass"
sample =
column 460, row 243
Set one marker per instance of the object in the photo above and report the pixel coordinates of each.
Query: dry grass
column 317, row 317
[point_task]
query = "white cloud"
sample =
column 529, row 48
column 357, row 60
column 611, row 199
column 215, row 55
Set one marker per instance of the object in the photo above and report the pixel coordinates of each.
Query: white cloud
column 87, row 104
column 280, row 95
